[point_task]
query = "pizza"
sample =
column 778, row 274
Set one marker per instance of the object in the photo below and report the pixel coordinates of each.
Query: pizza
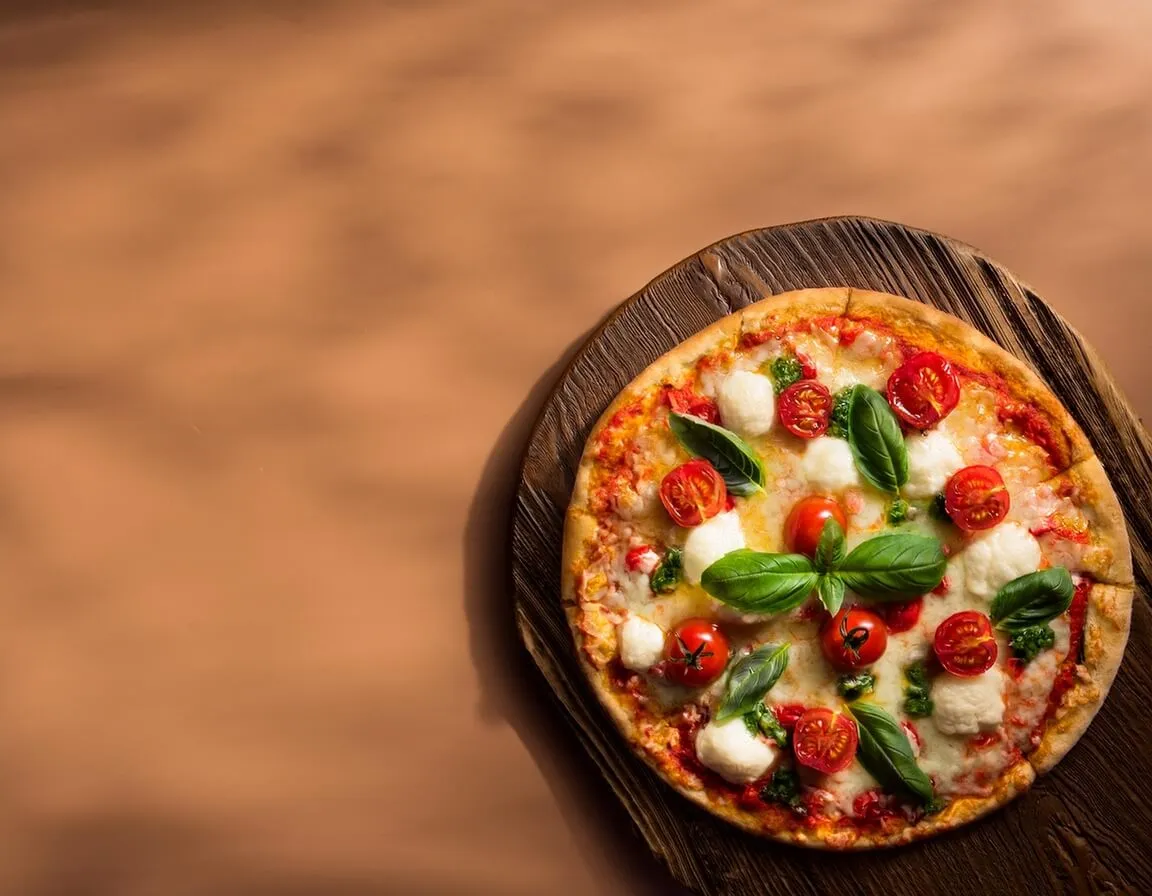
column 845, row 572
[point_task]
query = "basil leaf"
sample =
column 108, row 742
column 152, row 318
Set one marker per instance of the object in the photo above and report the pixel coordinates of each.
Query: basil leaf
column 768, row 725
column 876, row 441
column 894, row 566
column 733, row 458
column 831, row 593
column 830, row 547
column 1032, row 599
column 838, row 424
column 668, row 574
column 757, row 582
column 750, row 679
column 885, row 752
column 898, row 511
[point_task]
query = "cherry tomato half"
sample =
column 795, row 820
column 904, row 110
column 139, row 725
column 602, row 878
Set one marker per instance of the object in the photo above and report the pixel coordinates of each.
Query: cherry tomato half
column 825, row 740
column 965, row 645
column 685, row 401
column 901, row 616
column 854, row 638
column 806, row 521
column 805, row 408
column 787, row 714
column 693, row 492
column 923, row 390
column 976, row 498
column 695, row 653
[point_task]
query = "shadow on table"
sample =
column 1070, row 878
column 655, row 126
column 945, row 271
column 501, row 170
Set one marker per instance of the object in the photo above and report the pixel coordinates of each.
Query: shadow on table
column 514, row 690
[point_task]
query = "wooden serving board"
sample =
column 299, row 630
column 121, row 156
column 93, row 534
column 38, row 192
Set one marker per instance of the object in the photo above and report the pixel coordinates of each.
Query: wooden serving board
column 1084, row 828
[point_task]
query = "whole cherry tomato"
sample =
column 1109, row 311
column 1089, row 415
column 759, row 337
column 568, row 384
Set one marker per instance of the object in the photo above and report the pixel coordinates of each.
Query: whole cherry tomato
column 854, row 638
column 695, row 653
column 806, row 521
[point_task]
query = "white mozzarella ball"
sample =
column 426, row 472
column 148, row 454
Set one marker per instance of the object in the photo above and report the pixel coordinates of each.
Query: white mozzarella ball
column 734, row 752
column 932, row 459
column 968, row 705
column 997, row 557
column 641, row 644
column 710, row 541
column 828, row 464
column 747, row 403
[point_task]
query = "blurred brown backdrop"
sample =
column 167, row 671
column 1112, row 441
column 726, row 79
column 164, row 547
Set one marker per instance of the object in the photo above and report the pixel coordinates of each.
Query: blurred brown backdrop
column 281, row 287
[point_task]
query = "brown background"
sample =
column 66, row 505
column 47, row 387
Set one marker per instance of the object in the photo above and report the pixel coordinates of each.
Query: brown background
column 281, row 288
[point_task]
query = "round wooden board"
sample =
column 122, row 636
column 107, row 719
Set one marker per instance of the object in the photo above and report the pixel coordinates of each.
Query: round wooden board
column 1083, row 828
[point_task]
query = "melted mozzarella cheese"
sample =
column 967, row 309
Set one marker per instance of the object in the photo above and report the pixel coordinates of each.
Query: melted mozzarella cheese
column 710, row 541
column 828, row 464
column 932, row 459
column 639, row 502
column 997, row 557
column 747, row 403
column 635, row 588
column 968, row 705
column 641, row 644
column 734, row 752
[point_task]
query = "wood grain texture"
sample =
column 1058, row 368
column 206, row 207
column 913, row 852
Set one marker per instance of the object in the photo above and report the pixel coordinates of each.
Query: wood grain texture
column 1084, row 828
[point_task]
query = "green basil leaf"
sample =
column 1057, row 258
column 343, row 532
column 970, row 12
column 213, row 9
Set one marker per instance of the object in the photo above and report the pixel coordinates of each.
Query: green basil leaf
column 750, row 679
column 894, row 566
column 885, row 752
column 786, row 371
column 838, row 425
column 756, row 582
column 733, row 458
column 830, row 547
column 876, row 441
column 831, row 593
column 668, row 574
column 1033, row 599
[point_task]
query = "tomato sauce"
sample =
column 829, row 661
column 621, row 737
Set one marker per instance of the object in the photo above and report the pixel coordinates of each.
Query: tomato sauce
column 1077, row 614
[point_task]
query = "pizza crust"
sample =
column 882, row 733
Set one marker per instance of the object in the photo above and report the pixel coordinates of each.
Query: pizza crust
column 1110, row 600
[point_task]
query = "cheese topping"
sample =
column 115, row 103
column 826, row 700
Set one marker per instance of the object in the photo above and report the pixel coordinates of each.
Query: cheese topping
column 734, row 752
column 995, row 558
column 747, row 403
column 710, row 541
column 932, row 459
column 969, row 705
column 641, row 644
column 828, row 464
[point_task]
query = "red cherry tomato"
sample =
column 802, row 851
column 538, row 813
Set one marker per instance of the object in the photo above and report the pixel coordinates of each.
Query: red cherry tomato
column 806, row 521
column 854, row 638
column 685, row 401
column 825, row 740
column 693, row 492
column 805, row 408
column 923, row 390
column 901, row 616
column 976, row 498
column 965, row 645
column 695, row 653
column 788, row 713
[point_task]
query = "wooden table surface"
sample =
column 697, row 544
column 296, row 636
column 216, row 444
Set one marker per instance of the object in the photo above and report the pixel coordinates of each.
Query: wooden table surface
column 283, row 284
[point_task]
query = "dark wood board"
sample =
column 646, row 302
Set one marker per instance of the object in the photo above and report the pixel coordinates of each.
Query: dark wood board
column 1084, row 828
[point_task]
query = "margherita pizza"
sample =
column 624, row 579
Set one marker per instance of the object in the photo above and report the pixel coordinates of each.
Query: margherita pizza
column 844, row 571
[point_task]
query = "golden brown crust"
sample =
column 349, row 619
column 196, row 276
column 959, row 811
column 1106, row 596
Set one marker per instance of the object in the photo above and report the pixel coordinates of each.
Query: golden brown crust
column 1105, row 635
column 1109, row 559
column 936, row 330
column 1110, row 604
